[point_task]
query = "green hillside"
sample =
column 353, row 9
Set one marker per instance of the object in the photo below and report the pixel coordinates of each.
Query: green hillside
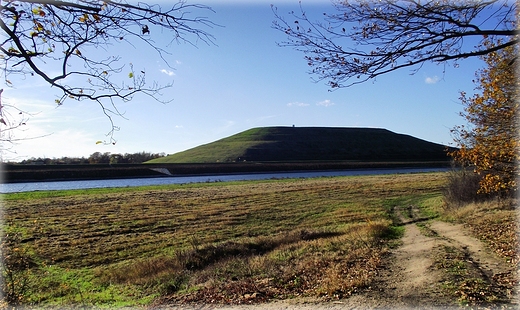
column 311, row 143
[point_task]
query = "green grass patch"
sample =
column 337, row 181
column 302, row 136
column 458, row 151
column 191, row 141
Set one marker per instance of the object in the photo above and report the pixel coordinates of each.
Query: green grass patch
column 236, row 242
column 286, row 144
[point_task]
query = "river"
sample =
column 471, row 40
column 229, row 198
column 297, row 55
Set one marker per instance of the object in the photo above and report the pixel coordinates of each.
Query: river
column 86, row 184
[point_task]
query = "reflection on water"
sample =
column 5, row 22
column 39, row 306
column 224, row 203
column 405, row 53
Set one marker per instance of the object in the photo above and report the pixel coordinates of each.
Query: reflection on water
column 65, row 185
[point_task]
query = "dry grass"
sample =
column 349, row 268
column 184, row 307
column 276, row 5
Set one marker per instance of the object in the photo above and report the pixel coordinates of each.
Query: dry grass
column 223, row 242
column 496, row 223
column 332, row 267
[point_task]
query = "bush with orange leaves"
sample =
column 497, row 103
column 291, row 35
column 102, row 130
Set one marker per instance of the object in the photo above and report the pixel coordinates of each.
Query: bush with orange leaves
column 490, row 143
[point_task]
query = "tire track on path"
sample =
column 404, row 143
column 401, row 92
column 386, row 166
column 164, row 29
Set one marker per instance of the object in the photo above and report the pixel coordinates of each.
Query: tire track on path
column 409, row 278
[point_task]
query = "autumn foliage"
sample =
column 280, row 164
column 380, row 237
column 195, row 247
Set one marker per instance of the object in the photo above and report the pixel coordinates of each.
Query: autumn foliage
column 490, row 143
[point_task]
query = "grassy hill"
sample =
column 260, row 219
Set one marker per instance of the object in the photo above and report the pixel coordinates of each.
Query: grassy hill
column 311, row 143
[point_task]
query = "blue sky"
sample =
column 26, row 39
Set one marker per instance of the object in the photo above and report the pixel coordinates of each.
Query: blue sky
column 245, row 81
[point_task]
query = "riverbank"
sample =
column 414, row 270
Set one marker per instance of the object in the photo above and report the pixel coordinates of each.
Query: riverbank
column 13, row 173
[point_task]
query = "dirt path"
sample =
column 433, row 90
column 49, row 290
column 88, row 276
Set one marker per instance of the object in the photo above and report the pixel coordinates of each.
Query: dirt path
column 409, row 279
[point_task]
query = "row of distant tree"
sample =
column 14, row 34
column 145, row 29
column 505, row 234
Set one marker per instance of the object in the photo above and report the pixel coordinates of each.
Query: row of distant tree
column 95, row 158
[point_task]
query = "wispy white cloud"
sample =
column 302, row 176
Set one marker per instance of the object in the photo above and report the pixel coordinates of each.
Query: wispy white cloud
column 325, row 103
column 265, row 117
column 56, row 143
column 229, row 123
column 41, row 112
column 168, row 72
column 26, row 104
column 431, row 79
column 297, row 104
column 260, row 120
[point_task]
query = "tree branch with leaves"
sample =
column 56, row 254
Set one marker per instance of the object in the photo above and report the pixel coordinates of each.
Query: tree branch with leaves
column 491, row 143
column 367, row 38
column 55, row 40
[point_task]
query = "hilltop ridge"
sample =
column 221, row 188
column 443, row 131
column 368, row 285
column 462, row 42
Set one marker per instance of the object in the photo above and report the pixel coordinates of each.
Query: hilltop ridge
column 285, row 144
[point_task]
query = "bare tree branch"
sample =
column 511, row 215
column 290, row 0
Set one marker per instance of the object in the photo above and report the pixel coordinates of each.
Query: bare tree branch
column 42, row 36
column 368, row 38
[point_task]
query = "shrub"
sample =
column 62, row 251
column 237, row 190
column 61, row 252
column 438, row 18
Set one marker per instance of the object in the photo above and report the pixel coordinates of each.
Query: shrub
column 462, row 188
column 15, row 268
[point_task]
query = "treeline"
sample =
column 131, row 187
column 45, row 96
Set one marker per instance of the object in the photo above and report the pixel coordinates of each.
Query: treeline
column 95, row 158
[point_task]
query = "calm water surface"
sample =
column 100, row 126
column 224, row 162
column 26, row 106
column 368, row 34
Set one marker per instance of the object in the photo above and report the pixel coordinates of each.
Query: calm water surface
column 66, row 185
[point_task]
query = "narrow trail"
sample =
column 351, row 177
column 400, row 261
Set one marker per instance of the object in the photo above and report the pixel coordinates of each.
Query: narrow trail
column 409, row 278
